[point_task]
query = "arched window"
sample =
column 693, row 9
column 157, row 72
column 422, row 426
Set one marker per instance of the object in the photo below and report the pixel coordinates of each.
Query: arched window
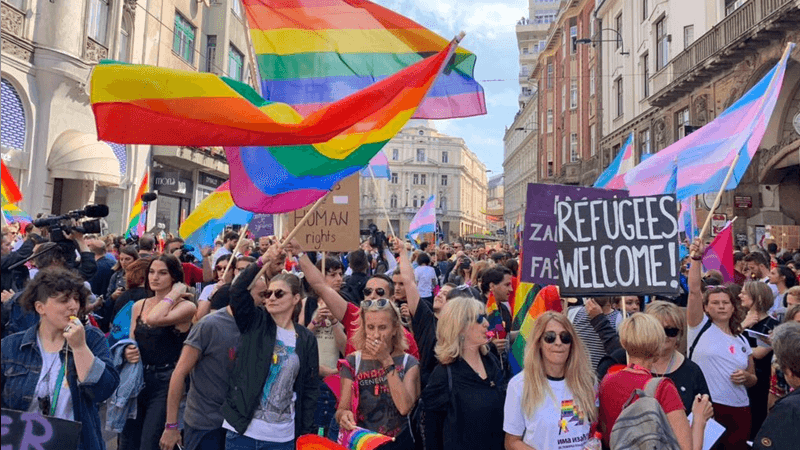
column 393, row 201
column 415, row 201
column 13, row 128
column 125, row 33
column 98, row 21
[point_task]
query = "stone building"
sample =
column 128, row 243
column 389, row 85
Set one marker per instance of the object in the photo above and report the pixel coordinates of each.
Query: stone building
column 49, row 138
column 520, row 162
column 495, row 200
column 425, row 162
column 531, row 39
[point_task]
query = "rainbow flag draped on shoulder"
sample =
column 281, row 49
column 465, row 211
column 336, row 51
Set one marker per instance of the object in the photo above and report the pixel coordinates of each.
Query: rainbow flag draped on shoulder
column 314, row 52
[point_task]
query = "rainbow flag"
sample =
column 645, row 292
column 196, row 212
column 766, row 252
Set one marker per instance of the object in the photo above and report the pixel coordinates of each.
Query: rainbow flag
column 719, row 254
column 210, row 217
column 362, row 439
column 314, row 52
column 315, row 442
column 379, row 165
column 8, row 187
column 531, row 302
column 705, row 156
column 424, row 221
column 614, row 175
column 137, row 221
column 13, row 213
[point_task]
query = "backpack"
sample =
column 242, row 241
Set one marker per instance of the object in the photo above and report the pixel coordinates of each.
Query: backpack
column 643, row 424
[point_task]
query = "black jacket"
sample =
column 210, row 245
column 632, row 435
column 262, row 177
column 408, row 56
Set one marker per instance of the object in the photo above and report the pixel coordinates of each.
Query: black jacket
column 780, row 429
column 253, row 359
column 15, row 279
column 353, row 288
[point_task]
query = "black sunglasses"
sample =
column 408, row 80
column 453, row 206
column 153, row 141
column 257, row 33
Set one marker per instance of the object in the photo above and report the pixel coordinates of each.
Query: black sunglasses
column 380, row 291
column 218, row 268
column 671, row 331
column 279, row 293
column 379, row 303
column 550, row 337
column 480, row 318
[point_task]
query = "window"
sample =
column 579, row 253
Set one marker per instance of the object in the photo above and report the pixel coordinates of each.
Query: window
column 646, row 75
column 421, row 154
column 395, row 154
column 183, row 41
column 688, row 35
column 549, row 163
column 618, row 21
column 645, row 10
column 549, row 75
column 681, row 119
column 524, row 50
column 393, row 201
column 563, row 96
column 98, row 20
column 662, row 46
column 592, row 140
column 549, row 120
column 394, row 177
column 421, row 132
column 236, row 6
column 211, row 53
column 573, row 94
column 563, row 149
column 415, row 179
column 416, row 202
column 620, row 98
column 573, row 35
column 124, row 39
column 13, row 130
column 423, row 179
column 591, row 81
column 573, row 147
column 444, row 180
column 645, row 137
column 235, row 63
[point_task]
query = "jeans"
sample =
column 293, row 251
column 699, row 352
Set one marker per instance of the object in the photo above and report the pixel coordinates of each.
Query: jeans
column 326, row 407
column 194, row 439
column 236, row 441
column 144, row 432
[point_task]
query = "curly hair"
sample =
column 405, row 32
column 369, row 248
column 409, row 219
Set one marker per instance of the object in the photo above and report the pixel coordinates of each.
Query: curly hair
column 51, row 282
column 735, row 322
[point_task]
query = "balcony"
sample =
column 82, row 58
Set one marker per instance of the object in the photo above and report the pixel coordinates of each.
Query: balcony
column 745, row 30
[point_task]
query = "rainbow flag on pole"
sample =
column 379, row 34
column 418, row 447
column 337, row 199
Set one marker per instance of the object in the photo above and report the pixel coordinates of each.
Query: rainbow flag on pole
column 614, row 175
column 137, row 222
column 210, row 218
column 424, row 221
column 9, row 188
column 314, row 52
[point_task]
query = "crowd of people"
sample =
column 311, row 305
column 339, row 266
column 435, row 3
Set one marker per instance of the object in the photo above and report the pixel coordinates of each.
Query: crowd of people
column 260, row 342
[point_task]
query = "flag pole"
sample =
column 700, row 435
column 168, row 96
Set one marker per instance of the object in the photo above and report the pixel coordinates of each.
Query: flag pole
column 290, row 236
column 380, row 200
column 718, row 198
column 232, row 261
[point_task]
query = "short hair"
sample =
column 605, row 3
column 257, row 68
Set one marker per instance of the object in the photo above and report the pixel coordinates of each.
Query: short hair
column 230, row 235
column 456, row 316
column 512, row 265
column 493, row 275
column 794, row 292
column 756, row 257
column 642, row 336
column 791, row 312
column 331, row 264
column 172, row 240
column 51, row 282
column 738, row 256
column 668, row 312
column 387, row 279
column 358, row 261
column 248, row 259
column 136, row 273
column 50, row 254
column 147, row 242
column 788, row 275
column 173, row 266
column 772, row 248
column 498, row 256
column 761, row 295
column 786, row 344
column 463, row 291
column 128, row 250
column 225, row 257
column 423, row 259
column 424, row 245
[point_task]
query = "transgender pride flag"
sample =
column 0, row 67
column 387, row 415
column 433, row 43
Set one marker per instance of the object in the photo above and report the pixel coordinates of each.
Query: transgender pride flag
column 378, row 167
column 614, row 176
column 424, row 221
column 705, row 156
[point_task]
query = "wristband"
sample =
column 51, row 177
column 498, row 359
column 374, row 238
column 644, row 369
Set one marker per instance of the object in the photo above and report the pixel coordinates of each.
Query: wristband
column 168, row 300
column 388, row 369
column 171, row 426
column 259, row 263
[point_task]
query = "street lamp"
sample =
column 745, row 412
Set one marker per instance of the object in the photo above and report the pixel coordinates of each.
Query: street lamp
column 594, row 41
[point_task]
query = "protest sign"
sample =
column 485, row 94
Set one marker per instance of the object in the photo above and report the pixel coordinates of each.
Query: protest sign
column 334, row 226
column 538, row 236
column 23, row 430
column 623, row 246
column 262, row 225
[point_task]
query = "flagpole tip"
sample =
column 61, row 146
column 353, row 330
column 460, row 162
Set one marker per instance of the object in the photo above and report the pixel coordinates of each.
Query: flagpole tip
column 460, row 36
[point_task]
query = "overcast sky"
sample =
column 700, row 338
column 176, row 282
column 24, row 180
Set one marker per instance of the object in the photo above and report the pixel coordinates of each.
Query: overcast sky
column 489, row 26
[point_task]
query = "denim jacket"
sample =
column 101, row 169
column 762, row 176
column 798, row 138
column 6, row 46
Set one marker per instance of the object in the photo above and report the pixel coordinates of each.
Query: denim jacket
column 22, row 364
column 122, row 404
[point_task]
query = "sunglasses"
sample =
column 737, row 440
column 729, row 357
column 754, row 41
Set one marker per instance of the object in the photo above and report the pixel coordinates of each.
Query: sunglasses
column 218, row 268
column 480, row 318
column 279, row 293
column 380, row 291
column 671, row 331
column 550, row 337
column 379, row 303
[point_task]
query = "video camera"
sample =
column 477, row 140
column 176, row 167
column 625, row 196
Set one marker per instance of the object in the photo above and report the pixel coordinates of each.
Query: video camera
column 59, row 226
column 377, row 238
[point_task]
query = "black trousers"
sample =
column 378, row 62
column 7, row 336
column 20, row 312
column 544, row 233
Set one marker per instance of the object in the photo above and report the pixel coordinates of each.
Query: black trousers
column 144, row 432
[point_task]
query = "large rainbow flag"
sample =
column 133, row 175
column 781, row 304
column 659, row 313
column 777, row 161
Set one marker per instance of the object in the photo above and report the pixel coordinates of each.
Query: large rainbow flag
column 13, row 214
column 314, row 52
column 210, row 218
column 137, row 221
column 705, row 156
column 8, row 187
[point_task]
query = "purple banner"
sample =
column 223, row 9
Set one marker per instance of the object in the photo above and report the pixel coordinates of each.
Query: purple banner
column 540, row 260
column 262, row 225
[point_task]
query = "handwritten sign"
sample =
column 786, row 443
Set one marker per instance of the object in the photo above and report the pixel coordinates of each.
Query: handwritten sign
column 333, row 227
column 24, row 430
column 626, row 246
column 261, row 225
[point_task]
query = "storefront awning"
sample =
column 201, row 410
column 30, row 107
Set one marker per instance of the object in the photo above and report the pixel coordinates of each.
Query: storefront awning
column 80, row 156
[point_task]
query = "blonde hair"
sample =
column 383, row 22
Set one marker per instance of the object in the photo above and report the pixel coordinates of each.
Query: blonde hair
column 456, row 316
column 642, row 336
column 399, row 342
column 760, row 293
column 790, row 313
column 477, row 273
column 579, row 374
column 668, row 312
column 794, row 292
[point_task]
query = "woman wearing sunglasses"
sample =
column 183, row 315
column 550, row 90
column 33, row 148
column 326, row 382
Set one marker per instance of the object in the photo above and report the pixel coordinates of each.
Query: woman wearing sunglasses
column 273, row 384
column 670, row 363
column 463, row 399
column 204, row 301
column 387, row 377
column 556, row 387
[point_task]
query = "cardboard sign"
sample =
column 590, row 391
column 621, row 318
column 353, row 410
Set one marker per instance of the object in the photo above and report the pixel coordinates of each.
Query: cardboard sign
column 334, row 226
column 625, row 246
column 23, row 430
column 539, row 264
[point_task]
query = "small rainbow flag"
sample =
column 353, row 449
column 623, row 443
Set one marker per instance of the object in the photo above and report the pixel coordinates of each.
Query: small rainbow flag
column 9, row 188
column 138, row 220
column 210, row 218
column 315, row 442
column 362, row 439
column 532, row 302
column 614, row 176
column 13, row 213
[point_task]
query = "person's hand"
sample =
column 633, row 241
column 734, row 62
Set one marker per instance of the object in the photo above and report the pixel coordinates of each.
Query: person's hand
column 501, row 344
column 697, row 248
column 6, row 295
column 178, row 289
column 739, row 377
column 397, row 245
column 75, row 334
column 207, row 251
column 750, row 319
column 404, row 311
column 592, row 308
column 702, row 407
column 379, row 349
column 346, row 419
column 170, row 438
column 132, row 354
column 115, row 295
column 322, row 314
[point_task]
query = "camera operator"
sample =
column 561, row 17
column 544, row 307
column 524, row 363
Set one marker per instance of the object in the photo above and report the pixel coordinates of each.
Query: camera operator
column 192, row 274
column 15, row 279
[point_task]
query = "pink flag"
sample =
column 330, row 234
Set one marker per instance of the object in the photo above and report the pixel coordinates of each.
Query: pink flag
column 719, row 254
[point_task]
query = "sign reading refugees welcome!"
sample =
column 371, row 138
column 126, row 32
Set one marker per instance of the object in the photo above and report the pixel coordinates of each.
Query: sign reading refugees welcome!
column 622, row 246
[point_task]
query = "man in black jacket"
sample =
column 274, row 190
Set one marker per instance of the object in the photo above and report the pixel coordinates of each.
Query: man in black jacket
column 780, row 428
column 353, row 289
column 14, row 279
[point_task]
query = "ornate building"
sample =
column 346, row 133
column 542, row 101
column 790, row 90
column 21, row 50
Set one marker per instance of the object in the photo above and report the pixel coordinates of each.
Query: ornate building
column 520, row 156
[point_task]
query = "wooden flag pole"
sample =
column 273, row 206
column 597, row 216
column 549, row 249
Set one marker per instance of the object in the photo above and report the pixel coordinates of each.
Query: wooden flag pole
column 290, row 236
column 232, row 261
column 717, row 199
column 380, row 200
column 323, row 264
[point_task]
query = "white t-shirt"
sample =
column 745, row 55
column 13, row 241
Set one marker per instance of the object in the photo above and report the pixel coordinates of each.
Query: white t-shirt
column 46, row 386
column 426, row 280
column 555, row 425
column 719, row 355
column 273, row 420
column 206, row 294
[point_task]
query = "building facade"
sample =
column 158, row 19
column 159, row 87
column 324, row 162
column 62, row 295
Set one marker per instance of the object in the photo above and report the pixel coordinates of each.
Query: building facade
column 520, row 157
column 531, row 34
column 495, row 201
column 424, row 162
column 49, row 138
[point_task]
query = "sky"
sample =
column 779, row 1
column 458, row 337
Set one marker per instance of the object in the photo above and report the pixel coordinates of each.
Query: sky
column 490, row 34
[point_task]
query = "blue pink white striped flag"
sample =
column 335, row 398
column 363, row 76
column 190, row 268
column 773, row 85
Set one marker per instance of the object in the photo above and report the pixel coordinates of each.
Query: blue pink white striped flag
column 614, row 176
column 705, row 156
column 719, row 254
column 379, row 165
column 424, row 221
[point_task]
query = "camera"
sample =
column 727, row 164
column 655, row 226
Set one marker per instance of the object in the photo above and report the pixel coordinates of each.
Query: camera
column 60, row 226
column 377, row 238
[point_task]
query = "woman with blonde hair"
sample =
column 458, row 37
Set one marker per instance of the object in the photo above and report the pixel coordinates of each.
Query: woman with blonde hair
column 642, row 336
column 556, row 383
column 463, row 400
